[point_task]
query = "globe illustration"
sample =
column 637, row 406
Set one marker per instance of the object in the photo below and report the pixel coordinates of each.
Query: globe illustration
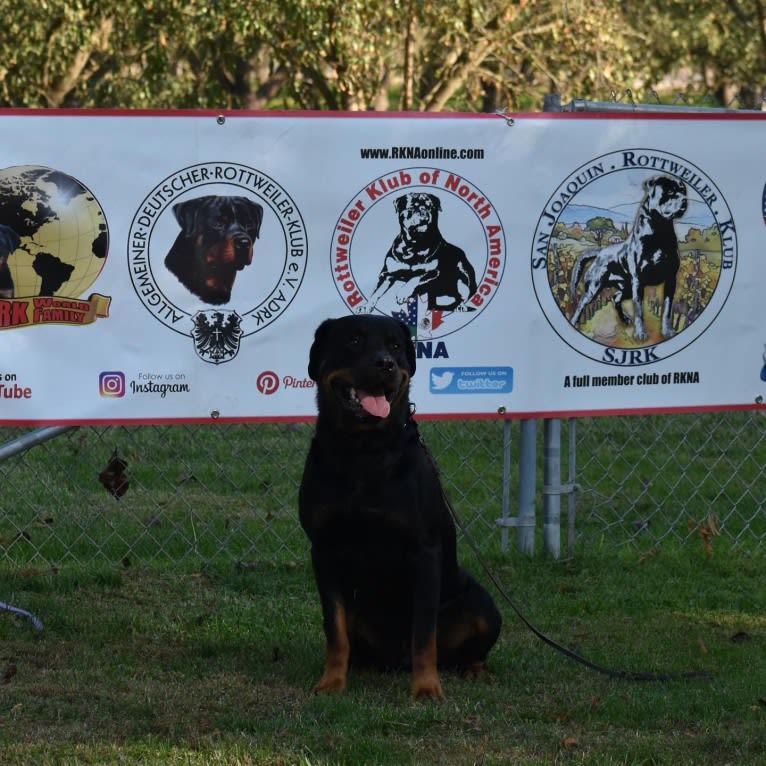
column 62, row 231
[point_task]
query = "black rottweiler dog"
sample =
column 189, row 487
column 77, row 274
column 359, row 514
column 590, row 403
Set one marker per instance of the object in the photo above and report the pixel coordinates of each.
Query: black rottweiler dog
column 9, row 241
column 421, row 262
column 216, row 241
column 382, row 538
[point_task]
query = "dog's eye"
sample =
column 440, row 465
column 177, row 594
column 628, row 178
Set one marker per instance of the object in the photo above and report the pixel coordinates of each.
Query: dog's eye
column 355, row 341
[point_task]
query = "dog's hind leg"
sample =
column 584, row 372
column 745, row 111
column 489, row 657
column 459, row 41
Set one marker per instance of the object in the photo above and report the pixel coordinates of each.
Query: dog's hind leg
column 468, row 628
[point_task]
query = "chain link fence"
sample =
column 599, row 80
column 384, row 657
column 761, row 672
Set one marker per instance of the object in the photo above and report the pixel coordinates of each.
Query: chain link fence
column 695, row 479
column 152, row 494
column 171, row 494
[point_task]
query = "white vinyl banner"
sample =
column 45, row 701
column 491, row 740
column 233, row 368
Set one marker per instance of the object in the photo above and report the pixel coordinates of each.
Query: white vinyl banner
column 167, row 267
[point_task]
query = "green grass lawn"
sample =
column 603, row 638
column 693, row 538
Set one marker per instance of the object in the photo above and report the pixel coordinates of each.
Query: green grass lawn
column 214, row 664
column 182, row 625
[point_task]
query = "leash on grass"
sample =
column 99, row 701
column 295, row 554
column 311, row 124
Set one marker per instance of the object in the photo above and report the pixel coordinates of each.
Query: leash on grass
column 624, row 675
column 22, row 613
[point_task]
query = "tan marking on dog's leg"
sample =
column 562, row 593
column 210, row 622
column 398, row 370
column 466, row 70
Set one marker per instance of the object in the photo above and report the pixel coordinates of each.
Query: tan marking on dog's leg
column 425, row 676
column 333, row 679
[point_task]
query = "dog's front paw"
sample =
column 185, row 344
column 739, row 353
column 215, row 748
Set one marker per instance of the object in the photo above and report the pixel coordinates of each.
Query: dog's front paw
column 640, row 334
column 331, row 683
column 427, row 686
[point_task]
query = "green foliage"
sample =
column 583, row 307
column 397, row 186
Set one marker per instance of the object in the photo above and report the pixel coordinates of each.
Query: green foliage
column 368, row 54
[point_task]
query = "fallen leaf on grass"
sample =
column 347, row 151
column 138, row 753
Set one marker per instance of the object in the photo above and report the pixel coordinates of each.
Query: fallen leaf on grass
column 571, row 743
column 708, row 529
column 113, row 476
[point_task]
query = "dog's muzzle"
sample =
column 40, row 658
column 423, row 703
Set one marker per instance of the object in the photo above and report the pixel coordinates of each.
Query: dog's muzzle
column 368, row 399
column 243, row 251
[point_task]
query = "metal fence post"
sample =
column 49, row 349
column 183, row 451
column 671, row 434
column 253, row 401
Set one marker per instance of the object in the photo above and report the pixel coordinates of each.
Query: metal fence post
column 506, row 499
column 525, row 521
column 525, row 535
column 572, row 479
column 552, row 486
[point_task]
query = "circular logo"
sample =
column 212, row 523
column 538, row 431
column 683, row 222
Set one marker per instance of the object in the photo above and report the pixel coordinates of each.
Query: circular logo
column 267, row 382
column 421, row 244
column 194, row 252
column 52, row 231
column 634, row 256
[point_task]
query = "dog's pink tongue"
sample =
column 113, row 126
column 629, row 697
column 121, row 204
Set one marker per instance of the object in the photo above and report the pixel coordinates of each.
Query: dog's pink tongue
column 375, row 405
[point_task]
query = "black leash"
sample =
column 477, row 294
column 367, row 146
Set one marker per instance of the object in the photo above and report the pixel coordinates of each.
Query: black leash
column 625, row 675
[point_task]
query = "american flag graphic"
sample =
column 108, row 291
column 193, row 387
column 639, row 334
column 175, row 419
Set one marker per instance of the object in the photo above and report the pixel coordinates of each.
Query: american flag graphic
column 429, row 321
column 409, row 316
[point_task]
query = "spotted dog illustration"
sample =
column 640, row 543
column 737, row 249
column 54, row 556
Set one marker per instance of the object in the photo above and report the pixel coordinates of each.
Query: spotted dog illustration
column 216, row 241
column 9, row 241
column 421, row 262
column 648, row 257
column 382, row 537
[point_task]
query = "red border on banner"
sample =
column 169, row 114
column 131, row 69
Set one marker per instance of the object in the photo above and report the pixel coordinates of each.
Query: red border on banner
column 276, row 419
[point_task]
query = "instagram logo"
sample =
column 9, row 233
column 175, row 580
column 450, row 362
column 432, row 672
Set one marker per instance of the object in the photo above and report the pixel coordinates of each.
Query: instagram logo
column 111, row 384
column 267, row 382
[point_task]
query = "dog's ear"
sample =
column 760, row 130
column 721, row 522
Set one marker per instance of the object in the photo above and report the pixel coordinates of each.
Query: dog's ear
column 253, row 214
column 400, row 203
column 650, row 183
column 437, row 203
column 185, row 212
column 315, row 354
column 409, row 347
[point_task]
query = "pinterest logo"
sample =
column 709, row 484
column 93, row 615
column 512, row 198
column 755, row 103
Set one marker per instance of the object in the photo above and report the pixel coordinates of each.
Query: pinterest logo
column 267, row 382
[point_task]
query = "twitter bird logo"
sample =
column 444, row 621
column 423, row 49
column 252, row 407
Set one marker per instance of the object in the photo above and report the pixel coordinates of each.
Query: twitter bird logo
column 440, row 382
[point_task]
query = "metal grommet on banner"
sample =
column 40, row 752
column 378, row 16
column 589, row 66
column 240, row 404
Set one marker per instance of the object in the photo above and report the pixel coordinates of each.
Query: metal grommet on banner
column 215, row 414
column 509, row 121
column 221, row 119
